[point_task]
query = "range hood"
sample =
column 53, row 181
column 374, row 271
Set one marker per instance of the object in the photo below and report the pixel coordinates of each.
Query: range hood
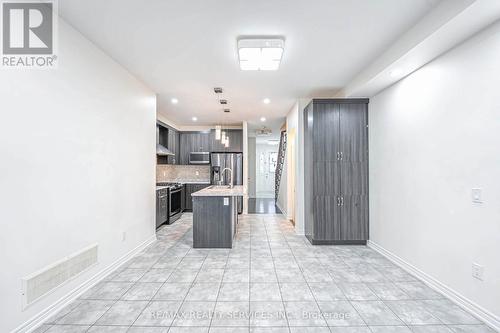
column 161, row 150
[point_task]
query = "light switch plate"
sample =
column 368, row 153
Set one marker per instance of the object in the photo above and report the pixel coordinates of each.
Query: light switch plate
column 226, row 201
column 477, row 195
column 477, row 271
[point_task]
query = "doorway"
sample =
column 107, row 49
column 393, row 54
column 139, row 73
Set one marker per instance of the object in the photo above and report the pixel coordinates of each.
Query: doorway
column 267, row 157
column 263, row 146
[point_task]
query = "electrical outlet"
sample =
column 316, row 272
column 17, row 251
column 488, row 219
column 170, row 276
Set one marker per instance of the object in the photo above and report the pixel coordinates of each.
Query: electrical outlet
column 477, row 271
column 477, row 195
column 124, row 236
column 197, row 173
column 226, row 201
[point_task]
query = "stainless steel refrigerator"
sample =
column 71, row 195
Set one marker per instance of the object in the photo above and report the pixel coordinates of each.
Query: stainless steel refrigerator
column 233, row 161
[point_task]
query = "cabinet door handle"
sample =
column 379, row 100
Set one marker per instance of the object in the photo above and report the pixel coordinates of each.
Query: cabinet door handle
column 338, row 201
column 338, row 156
column 341, row 201
column 341, row 156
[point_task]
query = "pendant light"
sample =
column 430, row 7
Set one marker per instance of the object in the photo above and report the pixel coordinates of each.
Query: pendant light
column 226, row 144
column 223, row 138
column 218, row 130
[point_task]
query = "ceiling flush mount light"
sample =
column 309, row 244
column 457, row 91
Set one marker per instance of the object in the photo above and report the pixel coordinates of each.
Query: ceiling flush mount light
column 260, row 54
column 262, row 119
column 194, row 119
column 174, row 100
column 266, row 100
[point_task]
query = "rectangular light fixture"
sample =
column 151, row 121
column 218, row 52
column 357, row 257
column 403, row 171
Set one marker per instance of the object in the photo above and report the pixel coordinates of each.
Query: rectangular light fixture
column 260, row 54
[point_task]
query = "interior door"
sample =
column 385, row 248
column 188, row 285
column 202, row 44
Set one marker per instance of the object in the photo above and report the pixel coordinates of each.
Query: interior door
column 354, row 171
column 326, row 176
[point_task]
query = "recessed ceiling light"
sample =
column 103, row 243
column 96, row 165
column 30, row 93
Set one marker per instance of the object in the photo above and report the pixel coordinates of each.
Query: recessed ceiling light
column 227, row 110
column 223, row 101
column 396, row 72
column 262, row 119
column 266, row 100
column 174, row 100
column 194, row 119
column 260, row 54
column 218, row 90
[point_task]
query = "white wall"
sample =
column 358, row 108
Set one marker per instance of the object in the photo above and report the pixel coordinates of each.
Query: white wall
column 77, row 147
column 245, row 168
column 295, row 122
column 251, row 167
column 282, row 199
column 433, row 137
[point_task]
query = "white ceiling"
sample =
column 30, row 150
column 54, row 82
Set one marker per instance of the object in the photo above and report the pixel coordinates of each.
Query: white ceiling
column 272, row 124
column 184, row 48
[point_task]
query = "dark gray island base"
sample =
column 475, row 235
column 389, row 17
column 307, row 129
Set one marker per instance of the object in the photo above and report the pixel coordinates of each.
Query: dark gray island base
column 215, row 216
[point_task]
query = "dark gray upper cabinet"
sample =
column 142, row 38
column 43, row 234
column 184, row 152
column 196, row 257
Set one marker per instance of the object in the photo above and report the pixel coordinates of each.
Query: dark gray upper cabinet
column 235, row 142
column 205, row 142
column 169, row 138
column 173, row 145
column 193, row 142
column 336, row 160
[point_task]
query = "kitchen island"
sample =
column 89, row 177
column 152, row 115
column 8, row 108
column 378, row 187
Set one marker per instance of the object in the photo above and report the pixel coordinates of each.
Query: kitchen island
column 215, row 216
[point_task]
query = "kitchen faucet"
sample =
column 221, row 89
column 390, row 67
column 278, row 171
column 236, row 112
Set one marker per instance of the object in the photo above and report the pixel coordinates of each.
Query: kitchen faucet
column 231, row 173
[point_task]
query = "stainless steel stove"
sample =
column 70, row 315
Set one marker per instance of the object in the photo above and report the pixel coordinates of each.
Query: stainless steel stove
column 169, row 202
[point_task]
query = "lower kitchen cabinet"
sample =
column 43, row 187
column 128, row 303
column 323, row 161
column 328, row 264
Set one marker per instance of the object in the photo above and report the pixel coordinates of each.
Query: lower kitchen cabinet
column 188, row 190
column 336, row 171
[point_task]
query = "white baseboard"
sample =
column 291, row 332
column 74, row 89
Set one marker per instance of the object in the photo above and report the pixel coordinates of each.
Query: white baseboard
column 53, row 309
column 282, row 210
column 489, row 318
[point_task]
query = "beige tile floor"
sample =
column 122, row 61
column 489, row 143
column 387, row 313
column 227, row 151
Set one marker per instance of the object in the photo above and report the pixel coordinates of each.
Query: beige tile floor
column 271, row 281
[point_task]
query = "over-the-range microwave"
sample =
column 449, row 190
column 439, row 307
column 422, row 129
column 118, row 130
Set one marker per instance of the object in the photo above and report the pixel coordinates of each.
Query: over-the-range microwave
column 199, row 157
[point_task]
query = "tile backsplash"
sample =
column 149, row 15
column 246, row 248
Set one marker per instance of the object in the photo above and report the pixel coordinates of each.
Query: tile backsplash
column 175, row 173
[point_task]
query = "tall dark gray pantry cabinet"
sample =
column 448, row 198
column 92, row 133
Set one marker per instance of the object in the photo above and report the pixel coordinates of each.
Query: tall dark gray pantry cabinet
column 336, row 171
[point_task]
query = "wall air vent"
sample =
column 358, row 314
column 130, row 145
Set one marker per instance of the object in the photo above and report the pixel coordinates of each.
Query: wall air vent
column 49, row 278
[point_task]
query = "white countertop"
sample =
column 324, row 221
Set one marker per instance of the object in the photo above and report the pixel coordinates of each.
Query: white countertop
column 187, row 181
column 193, row 181
column 220, row 191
